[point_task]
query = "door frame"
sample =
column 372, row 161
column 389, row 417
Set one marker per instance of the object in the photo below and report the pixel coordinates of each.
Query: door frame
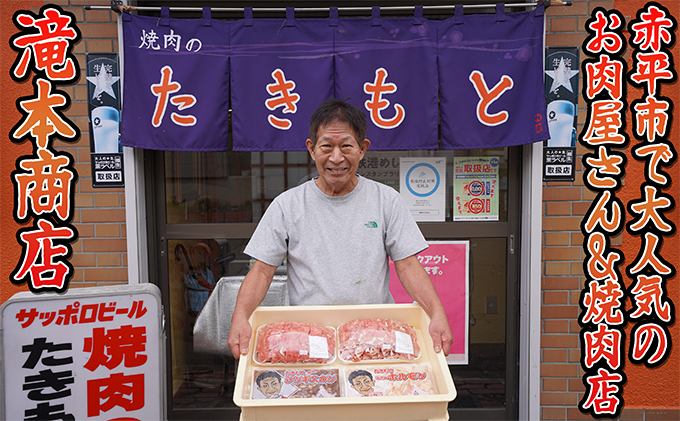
column 518, row 226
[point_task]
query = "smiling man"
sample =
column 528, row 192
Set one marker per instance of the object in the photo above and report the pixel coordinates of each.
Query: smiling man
column 335, row 147
column 337, row 232
column 269, row 383
column 362, row 381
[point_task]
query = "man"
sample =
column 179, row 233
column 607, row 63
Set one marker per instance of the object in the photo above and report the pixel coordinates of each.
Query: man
column 337, row 232
column 269, row 383
column 362, row 381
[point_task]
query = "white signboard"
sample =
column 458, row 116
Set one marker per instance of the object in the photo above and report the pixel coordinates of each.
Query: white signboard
column 92, row 353
column 423, row 187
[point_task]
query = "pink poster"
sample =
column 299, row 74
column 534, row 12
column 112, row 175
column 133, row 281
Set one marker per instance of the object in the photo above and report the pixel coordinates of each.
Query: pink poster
column 447, row 264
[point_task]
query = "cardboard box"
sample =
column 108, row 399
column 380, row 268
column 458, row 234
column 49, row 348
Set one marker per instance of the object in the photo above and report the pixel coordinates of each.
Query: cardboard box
column 402, row 408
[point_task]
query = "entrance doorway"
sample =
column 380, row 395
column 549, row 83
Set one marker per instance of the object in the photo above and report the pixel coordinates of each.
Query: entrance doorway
column 205, row 207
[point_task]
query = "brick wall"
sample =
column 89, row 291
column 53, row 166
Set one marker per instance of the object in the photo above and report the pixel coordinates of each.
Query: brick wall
column 99, row 256
column 564, row 204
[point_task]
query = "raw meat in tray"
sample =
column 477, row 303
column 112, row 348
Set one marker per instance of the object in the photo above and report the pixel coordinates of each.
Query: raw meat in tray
column 377, row 339
column 287, row 342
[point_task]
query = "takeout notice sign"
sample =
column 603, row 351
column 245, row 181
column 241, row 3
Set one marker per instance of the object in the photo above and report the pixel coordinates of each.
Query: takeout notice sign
column 447, row 264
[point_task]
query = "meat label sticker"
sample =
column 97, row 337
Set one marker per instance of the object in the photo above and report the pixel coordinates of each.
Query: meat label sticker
column 318, row 347
column 403, row 343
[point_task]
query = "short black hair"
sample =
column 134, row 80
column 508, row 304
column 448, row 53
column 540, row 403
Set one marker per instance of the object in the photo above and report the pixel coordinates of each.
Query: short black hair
column 358, row 373
column 266, row 375
column 335, row 109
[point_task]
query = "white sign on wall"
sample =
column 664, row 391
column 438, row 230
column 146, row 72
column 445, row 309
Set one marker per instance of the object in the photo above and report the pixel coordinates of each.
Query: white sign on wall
column 423, row 187
column 92, row 353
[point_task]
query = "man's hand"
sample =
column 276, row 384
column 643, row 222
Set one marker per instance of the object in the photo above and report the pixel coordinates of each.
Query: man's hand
column 250, row 295
column 418, row 285
column 239, row 337
column 441, row 333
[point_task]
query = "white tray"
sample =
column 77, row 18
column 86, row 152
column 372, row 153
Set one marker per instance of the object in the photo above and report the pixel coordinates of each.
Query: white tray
column 402, row 408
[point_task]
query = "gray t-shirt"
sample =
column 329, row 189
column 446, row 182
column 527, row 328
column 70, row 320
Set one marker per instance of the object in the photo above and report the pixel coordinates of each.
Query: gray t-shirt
column 337, row 247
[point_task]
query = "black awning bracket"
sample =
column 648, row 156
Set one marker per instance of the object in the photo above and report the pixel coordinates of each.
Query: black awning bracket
column 116, row 5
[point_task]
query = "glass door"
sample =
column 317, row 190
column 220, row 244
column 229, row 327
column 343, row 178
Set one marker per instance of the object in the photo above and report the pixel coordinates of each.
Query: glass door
column 203, row 210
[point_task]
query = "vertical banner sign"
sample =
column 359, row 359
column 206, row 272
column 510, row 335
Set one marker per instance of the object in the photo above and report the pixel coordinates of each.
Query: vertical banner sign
column 103, row 98
column 603, row 315
column 447, row 264
column 89, row 354
column 44, row 182
column 561, row 93
column 176, row 93
column 491, row 79
column 281, row 70
column 388, row 68
column 652, row 32
column 475, row 188
column 423, row 187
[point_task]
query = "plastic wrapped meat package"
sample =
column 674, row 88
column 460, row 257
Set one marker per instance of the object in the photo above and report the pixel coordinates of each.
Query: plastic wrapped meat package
column 377, row 340
column 393, row 380
column 296, row 383
column 288, row 342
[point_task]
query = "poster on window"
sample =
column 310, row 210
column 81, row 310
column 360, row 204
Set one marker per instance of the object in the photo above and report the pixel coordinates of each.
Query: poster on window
column 561, row 96
column 475, row 188
column 423, row 187
column 381, row 166
column 103, row 98
column 92, row 353
column 447, row 264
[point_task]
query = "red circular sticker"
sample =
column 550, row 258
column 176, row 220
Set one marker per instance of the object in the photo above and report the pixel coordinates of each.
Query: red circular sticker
column 475, row 206
column 476, row 188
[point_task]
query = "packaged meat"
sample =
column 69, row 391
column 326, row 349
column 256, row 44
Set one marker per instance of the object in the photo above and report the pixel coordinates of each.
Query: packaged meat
column 296, row 383
column 294, row 343
column 377, row 339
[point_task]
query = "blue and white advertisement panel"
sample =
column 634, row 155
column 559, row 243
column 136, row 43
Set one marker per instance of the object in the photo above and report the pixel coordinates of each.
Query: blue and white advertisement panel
column 423, row 187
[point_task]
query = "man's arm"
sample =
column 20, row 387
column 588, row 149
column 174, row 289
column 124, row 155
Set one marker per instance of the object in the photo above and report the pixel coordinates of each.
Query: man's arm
column 418, row 285
column 253, row 290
